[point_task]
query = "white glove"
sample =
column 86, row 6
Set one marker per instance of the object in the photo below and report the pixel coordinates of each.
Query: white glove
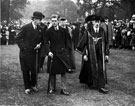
column 106, row 58
column 50, row 54
column 85, row 58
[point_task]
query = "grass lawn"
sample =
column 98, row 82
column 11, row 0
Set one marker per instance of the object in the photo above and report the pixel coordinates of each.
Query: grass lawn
column 121, row 83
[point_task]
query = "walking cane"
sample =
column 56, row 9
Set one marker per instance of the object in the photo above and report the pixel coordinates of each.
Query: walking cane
column 37, row 67
column 104, row 62
column 49, row 79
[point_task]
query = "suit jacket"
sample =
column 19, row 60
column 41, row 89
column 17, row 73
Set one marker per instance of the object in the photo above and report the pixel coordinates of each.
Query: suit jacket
column 58, row 42
column 28, row 38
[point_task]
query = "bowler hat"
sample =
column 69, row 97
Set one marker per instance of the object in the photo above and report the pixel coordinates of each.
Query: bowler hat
column 38, row 15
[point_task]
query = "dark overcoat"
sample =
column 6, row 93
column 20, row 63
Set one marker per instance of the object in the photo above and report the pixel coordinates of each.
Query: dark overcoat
column 12, row 34
column 71, row 52
column 58, row 43
column 92, row 70
column 27, row 40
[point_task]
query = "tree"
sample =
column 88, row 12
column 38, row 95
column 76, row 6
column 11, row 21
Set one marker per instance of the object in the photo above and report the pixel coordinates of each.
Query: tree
column 11, row 9
column 65, row 8
column 130, row 7
column 111, row 8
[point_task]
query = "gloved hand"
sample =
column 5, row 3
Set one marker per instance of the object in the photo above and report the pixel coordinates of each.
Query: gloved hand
column 106, row 58
column 85, row 57
column 50, row 54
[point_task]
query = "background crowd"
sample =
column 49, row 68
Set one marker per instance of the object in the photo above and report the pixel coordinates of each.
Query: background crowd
column 122, row 34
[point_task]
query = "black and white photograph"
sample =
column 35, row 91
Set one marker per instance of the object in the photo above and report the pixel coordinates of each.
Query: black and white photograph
column 67, row 53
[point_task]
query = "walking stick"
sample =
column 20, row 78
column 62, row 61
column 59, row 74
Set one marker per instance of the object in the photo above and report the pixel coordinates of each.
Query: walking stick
column 37, row 69
column 49, row 79
column 104, row 62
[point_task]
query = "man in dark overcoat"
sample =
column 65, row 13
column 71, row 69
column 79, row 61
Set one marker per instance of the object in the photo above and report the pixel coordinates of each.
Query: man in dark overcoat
column 12, row 34
column 29, row 41
column 94, row 48
column 57, row 45
column 109, row 31
column 64, row 24
column 42, row 54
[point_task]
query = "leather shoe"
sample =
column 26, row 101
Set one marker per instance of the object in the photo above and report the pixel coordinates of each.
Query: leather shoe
column 64, row 92
column 70, row 71
column 103, row 90
column 27, row 91
column 51, row 91
column 35, row 89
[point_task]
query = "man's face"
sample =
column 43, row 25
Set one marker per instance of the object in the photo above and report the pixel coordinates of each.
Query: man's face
column 37, row 21
column 54, row 22
column 96, row 23
column 106, row 21
column 62, row 23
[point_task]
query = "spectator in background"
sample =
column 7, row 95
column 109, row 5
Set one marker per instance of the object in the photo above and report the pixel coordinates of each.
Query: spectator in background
column 12, row 34
column 64, row 24
column 133, row 37
column 109, row 31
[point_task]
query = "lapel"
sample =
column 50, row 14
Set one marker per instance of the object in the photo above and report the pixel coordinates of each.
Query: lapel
column 34, row 32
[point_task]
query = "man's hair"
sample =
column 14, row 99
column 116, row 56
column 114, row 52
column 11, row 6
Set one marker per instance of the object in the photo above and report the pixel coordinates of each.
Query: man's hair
column 55, row 16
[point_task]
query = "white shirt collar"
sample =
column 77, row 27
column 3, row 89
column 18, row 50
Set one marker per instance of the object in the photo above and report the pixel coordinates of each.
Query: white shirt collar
column 34, row 26
column 57, row 27
column 96, row 29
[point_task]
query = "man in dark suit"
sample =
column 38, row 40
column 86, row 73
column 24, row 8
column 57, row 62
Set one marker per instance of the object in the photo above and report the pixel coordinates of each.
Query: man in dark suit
column 109, row 32
column 29, row 41
column 57, row 45
column 64, row 24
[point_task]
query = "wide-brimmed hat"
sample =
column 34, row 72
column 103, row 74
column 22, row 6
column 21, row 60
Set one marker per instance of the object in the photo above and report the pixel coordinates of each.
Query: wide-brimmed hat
column 96, row 18
column 89, row 18
column 38, row 15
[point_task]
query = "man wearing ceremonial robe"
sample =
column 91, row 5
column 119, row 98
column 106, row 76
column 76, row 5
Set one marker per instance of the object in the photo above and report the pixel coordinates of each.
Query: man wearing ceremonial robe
column 94, row 48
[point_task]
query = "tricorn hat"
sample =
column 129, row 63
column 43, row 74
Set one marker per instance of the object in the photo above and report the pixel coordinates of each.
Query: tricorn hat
column 38, row 15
